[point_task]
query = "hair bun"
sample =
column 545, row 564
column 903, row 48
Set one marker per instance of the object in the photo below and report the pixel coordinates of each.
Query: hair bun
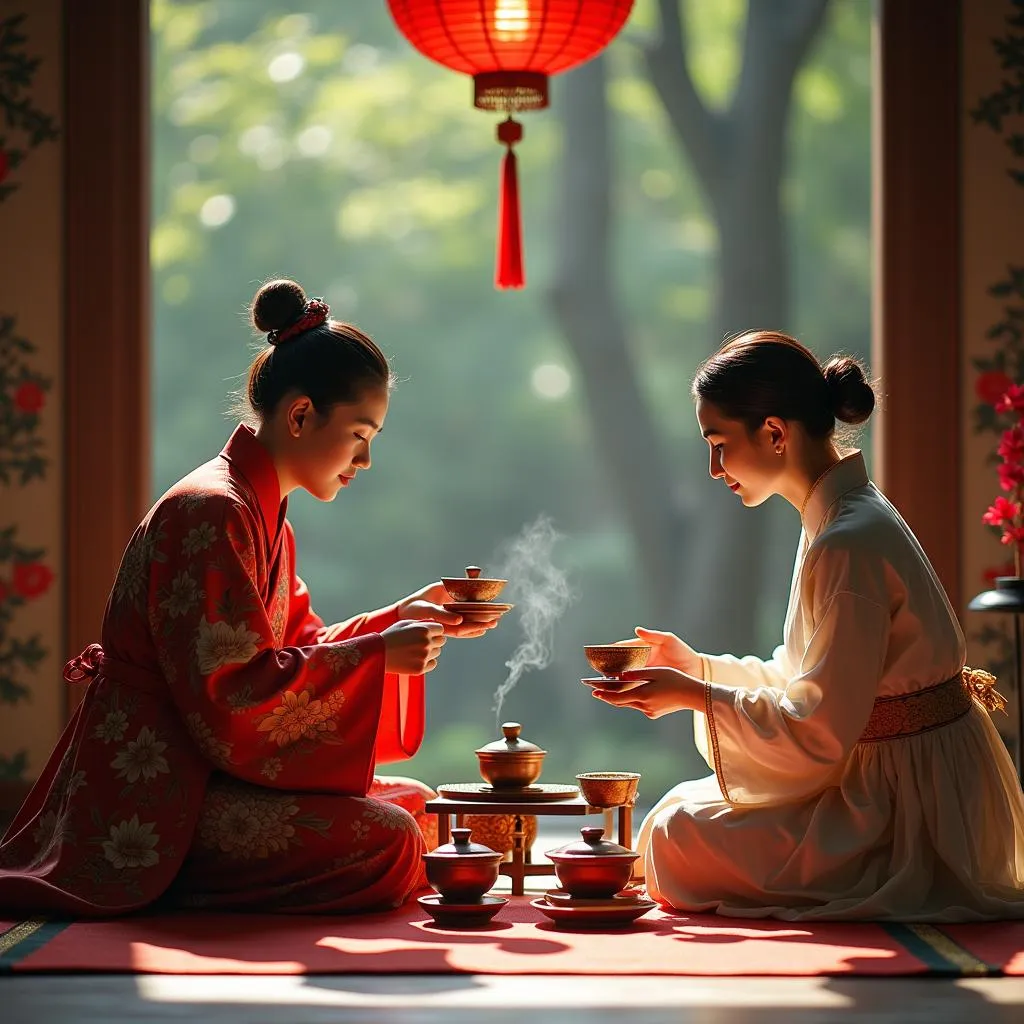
column 276, row 305
column 853, row 397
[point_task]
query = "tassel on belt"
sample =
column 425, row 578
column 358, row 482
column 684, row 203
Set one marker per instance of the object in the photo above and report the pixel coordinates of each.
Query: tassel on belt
column 909, row 714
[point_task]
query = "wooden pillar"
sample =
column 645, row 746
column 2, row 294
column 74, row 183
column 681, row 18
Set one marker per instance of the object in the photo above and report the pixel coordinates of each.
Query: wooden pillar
column 916, row 343
column 106, row 298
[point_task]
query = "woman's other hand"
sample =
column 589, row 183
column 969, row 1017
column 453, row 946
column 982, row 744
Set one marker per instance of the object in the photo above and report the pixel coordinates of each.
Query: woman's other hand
column 668, row 649
column 427, row 603
column 412, row 648
column 653, row 691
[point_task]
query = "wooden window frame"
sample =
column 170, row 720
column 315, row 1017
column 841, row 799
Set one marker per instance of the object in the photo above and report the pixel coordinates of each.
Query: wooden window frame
column 106, row 300
column 916, row 344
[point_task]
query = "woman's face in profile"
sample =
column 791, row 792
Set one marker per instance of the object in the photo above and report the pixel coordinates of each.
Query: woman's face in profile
column 745, row 462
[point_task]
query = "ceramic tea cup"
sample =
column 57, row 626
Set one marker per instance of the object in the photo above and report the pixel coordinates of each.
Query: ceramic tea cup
column 612, row 659
column 608, row 789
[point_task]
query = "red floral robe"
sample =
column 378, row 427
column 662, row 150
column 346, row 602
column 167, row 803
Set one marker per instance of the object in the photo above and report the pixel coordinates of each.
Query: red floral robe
column 224, row 751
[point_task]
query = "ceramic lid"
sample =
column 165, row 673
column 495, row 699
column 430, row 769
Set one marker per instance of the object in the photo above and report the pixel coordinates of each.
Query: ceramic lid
column 511, row 744
column 593, row 845
column 462, row 847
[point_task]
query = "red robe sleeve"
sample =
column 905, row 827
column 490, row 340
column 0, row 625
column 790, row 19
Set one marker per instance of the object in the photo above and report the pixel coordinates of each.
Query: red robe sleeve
column 297, row 716
column 403, row 707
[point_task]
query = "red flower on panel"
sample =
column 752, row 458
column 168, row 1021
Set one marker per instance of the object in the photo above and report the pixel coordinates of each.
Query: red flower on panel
column 991, row 386
column 1012, row 400
column 32, row 579
column 29, row 397
column 1011, row 447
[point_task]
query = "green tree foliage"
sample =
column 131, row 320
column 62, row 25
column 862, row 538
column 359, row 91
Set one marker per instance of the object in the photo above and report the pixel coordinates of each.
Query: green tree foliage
column 307, row 139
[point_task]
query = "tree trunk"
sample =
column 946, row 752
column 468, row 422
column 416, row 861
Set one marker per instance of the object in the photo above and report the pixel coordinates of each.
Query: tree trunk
column 704, row 570
column 583, row 298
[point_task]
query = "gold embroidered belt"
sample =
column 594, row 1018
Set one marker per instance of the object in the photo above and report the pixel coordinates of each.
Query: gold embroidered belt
column 909, row 714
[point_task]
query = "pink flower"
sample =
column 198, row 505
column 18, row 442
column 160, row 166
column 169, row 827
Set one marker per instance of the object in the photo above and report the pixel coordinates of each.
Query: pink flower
column 1013, row 535
column 1012, row 400
column 1010, row 477
column 1011, row 447
column 1001, row 511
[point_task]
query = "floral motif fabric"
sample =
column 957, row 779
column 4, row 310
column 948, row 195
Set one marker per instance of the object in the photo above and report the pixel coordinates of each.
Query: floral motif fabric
column 228, row 739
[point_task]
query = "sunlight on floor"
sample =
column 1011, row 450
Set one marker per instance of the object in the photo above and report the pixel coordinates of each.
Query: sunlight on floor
column 532, row 991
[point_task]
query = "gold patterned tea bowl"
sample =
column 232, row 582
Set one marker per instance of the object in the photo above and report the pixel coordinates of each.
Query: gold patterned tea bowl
column 608, row 789
column 612, row 659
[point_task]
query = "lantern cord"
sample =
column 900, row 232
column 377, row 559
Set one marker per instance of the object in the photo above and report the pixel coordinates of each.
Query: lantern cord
column 508, row 272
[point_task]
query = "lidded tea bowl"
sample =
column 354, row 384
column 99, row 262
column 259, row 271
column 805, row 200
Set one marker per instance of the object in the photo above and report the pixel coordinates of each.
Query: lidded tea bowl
column 511, row 762
column 462, row 871
column 595, row 868
column 473, row 587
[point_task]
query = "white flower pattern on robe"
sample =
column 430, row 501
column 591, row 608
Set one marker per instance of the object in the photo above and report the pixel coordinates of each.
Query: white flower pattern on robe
column 184, row 595
column 342, row 655
column 220, row 643
column 131, row 844
column 199, row 538
column 141, row 756
column 45, row 830
column 112, row 728
column 218, row 751
column 248, row 823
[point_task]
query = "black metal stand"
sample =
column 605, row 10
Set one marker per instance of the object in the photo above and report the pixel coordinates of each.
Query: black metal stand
column 1008, row 598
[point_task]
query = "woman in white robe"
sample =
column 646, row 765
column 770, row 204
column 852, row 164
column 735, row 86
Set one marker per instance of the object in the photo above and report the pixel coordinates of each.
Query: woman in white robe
column 856, row 773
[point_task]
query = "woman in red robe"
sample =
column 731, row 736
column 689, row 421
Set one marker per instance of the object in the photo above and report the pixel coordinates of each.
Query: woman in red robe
column 223, row 754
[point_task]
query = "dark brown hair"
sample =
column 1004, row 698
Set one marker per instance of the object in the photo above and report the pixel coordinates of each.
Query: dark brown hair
column 330, row 363
column 767, row 373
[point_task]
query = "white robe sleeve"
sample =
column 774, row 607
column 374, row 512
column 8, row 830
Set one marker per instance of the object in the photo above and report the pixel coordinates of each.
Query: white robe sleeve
column 785, row 739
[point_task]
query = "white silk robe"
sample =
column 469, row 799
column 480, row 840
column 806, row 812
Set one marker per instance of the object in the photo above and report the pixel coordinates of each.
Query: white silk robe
column 801, row 821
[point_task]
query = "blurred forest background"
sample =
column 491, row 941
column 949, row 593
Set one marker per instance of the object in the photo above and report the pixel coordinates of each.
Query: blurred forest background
column 709, row 174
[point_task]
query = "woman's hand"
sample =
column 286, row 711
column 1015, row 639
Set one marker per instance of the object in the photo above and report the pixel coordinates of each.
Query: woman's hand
column 426, row 604
column 412, row 648
column 668, row 649
column 654, row 691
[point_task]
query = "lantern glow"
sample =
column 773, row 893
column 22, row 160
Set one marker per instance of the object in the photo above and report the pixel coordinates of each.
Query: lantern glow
column 511, row 21
column 510, row 48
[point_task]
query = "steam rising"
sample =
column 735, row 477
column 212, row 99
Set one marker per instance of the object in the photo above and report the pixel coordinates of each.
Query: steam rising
column 540, row 592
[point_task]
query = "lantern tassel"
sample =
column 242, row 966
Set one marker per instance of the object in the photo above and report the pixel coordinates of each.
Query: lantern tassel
column 508, row 273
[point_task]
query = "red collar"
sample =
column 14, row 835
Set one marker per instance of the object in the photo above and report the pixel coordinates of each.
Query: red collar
column 248, row 456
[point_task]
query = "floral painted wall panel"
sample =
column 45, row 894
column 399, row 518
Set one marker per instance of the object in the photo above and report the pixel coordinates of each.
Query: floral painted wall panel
column 992, row 167
column 31, row 692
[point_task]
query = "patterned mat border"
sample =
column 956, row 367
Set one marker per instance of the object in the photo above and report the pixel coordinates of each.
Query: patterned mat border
column 932, row 946
column 25, row 937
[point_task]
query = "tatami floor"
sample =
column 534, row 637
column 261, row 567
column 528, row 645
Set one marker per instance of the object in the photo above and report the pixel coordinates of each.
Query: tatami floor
column 507, row 999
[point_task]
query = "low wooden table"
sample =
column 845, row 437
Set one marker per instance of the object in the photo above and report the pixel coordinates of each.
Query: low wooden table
column 520, row 866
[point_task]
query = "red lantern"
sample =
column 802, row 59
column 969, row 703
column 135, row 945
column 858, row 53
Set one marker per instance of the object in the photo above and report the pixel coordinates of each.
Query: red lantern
column 510, row 47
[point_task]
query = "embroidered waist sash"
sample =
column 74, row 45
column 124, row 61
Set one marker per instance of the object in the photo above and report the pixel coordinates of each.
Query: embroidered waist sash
column 909, row 714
